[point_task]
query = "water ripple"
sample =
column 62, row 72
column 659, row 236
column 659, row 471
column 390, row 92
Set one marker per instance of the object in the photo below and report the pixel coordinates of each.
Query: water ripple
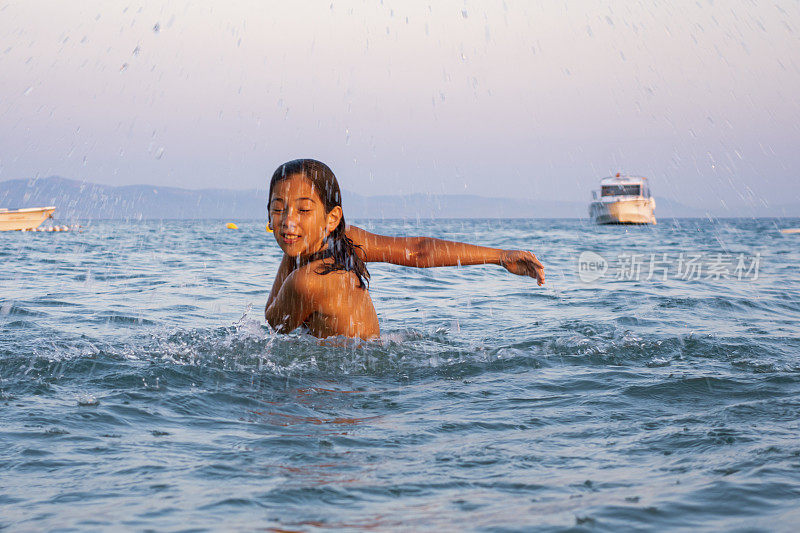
column 140, row 388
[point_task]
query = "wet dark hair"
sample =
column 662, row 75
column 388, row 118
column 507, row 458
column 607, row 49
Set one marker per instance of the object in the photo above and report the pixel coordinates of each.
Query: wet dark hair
column 340, row 247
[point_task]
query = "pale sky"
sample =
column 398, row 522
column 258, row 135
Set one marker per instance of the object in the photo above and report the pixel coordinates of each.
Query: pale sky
column 495, row 98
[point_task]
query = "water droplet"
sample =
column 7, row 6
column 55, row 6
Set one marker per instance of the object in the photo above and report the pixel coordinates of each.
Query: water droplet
column 87, row 400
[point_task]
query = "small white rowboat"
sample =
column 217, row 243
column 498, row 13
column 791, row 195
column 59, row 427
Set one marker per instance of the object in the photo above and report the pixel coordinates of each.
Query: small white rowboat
column 24, row 219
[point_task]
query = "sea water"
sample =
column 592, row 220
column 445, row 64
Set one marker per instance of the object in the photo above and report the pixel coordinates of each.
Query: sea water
column 653, row 382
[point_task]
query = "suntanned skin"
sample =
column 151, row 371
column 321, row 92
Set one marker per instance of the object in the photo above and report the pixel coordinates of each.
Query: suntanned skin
column 424, row 252
column 334, row 303
column 327, row 304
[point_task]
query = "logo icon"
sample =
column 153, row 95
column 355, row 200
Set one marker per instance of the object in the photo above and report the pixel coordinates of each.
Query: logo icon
column 591, row 266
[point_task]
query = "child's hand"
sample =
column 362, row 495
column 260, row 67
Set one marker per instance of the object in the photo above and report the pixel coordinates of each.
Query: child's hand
column 523, row 264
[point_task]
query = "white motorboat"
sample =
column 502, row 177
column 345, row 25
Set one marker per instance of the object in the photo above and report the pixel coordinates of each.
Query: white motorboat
column 623, row 200
column 24, row 219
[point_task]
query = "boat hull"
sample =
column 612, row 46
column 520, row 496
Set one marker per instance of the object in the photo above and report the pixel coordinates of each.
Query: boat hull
column 24, row 219
column 628, row 211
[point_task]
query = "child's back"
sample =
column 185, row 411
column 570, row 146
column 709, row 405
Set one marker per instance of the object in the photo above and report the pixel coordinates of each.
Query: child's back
column 340, row 306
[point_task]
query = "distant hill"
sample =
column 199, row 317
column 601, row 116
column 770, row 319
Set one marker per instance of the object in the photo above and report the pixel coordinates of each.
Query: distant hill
column 456, row 206
column 78, row 200
column 82, row 200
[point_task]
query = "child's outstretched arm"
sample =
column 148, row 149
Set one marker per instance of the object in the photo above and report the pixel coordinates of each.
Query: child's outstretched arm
column 428, row 252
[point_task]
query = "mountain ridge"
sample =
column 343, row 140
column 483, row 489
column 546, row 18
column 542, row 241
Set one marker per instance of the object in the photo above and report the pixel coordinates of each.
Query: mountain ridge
column 81, row 200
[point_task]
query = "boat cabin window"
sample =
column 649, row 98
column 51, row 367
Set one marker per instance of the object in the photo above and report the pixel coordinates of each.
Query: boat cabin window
column 620, row 190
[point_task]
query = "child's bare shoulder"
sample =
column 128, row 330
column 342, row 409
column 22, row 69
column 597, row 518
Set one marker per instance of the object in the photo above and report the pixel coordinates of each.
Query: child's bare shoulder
column 309, row 279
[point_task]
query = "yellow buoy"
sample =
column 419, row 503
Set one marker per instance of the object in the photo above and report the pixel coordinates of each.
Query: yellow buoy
column 231, row 225
column 268, row 230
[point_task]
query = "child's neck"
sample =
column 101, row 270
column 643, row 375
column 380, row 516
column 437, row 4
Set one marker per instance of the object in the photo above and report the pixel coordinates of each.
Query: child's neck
column 302, row 260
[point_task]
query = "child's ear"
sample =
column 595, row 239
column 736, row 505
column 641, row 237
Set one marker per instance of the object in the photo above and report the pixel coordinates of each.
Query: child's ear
column 334, row 217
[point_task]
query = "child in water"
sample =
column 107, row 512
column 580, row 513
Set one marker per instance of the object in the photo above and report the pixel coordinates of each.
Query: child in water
column 322, row 281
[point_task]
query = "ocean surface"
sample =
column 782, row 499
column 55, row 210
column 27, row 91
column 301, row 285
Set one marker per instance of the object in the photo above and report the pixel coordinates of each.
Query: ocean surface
column 653, row 383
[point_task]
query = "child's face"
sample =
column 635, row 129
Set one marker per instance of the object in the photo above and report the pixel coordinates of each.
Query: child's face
column 298, row 217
